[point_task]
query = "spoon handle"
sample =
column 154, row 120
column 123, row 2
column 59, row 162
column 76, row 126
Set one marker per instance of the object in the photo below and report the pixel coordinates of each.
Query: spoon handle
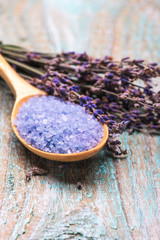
column 18, row 85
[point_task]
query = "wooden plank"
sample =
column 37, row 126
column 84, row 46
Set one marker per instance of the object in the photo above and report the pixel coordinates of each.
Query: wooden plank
column 120, row 199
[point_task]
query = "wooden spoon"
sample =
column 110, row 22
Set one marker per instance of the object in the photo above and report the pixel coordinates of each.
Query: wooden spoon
column 22, row 92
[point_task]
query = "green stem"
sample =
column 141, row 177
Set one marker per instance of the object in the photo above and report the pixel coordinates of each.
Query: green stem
column 24, row 66
column 12, row 48
column 23, row 57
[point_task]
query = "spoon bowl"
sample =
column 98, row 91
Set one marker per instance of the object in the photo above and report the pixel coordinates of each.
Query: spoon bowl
column 23, row 91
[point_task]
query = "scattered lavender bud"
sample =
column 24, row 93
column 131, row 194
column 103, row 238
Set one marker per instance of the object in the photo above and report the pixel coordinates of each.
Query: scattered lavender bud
column 79, row 185
column 62, row 166
column 35, row 171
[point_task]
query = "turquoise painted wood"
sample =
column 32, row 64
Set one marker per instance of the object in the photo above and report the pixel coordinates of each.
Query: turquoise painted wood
column 120, row 198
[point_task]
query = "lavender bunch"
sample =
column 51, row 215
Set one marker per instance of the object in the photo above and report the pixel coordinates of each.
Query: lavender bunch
column 118, row 93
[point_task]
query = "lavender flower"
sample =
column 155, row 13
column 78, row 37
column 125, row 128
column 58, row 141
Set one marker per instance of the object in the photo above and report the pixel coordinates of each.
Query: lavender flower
column 105, row 87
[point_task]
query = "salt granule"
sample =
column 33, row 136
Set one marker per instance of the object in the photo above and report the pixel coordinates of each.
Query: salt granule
column 52, row 125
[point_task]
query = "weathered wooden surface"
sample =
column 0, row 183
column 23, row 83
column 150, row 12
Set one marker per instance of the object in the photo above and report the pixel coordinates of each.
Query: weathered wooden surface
column 120, row 199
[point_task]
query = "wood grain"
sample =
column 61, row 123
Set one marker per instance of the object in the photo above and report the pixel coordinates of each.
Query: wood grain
column 120, row 198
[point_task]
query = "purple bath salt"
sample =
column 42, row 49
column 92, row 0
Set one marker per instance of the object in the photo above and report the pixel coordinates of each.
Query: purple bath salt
column 52, row 125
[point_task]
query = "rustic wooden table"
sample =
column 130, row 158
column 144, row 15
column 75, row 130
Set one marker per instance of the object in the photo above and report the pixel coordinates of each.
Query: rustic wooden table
column 120, row 199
